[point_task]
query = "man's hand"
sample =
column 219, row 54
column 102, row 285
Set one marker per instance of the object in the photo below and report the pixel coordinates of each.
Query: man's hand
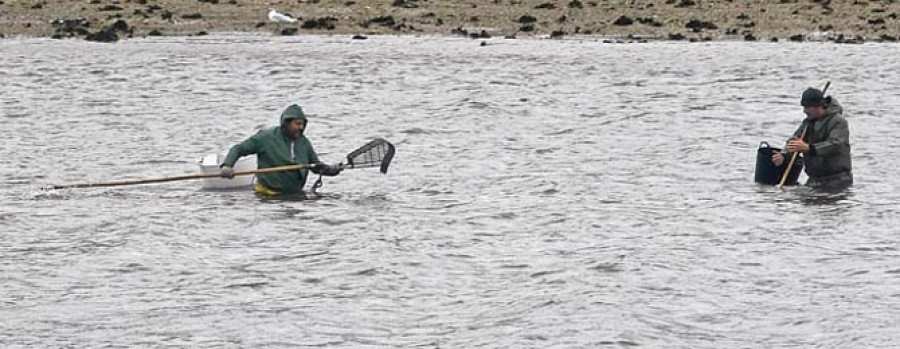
column 226, row 172
column 777, row 158
column 797, row 146
column 326, row 170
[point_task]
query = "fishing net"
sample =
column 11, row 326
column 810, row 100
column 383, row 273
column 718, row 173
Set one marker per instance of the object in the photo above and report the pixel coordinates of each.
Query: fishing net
column 377, row 153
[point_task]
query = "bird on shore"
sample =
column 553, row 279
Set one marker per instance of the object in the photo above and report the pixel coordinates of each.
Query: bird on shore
column 278, row 17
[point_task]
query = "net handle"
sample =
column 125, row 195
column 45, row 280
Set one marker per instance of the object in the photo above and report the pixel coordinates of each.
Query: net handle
column 381, row 152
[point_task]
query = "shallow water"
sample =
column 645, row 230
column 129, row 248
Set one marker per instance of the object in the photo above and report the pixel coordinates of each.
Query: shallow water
column 545, row 194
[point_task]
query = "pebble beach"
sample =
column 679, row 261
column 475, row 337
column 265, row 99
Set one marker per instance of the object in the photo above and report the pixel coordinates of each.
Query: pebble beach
column 844, row 21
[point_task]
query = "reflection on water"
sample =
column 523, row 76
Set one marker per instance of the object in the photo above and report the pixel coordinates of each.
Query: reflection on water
column 827, row 197
column 545, row 193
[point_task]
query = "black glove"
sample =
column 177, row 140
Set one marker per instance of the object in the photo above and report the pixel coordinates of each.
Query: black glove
column 226, row 172
column 326, row 170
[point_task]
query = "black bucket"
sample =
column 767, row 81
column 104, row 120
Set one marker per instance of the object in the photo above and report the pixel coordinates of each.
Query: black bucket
column 768, row 173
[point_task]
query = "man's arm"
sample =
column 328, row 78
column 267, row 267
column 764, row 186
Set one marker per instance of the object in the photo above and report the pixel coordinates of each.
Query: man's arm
column 319, row 167
column 778, row 158
column 247, row 147
column 838, row 137
column 311, row 154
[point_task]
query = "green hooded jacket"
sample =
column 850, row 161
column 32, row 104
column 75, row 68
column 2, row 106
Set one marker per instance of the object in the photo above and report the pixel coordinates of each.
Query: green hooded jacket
column 273, row 148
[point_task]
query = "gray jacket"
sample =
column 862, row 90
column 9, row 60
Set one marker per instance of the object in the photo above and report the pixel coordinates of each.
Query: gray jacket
column 829, row 153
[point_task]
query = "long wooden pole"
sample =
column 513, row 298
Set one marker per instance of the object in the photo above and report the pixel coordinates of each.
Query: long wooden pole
column 361, row 152
column 178, row 178
column 787, row 171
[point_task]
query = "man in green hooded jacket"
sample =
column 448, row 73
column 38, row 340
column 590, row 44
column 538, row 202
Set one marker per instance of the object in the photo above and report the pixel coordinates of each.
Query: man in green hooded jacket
column 824, row 140
column 280, row 146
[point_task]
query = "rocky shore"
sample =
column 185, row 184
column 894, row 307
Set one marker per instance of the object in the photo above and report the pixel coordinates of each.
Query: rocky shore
column 843, row 21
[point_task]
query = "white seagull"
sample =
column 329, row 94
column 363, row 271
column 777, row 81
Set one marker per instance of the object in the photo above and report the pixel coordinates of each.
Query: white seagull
column 278, row 17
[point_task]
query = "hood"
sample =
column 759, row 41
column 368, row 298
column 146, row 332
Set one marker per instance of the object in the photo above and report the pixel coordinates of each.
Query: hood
column 833, row 107
column 293, row 112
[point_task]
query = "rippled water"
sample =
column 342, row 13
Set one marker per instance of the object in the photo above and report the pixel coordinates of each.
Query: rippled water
column 545, row 194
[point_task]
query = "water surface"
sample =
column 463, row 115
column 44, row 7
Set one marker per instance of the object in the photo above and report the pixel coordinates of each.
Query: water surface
column 545, row 194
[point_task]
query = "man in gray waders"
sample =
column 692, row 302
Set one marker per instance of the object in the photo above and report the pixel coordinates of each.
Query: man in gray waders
column 824, row 141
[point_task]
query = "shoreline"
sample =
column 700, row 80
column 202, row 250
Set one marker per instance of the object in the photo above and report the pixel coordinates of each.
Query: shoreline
column 839, row 21
column 487, row 41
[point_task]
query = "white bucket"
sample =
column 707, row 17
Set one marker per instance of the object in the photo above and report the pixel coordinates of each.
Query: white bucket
column 210, row 164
